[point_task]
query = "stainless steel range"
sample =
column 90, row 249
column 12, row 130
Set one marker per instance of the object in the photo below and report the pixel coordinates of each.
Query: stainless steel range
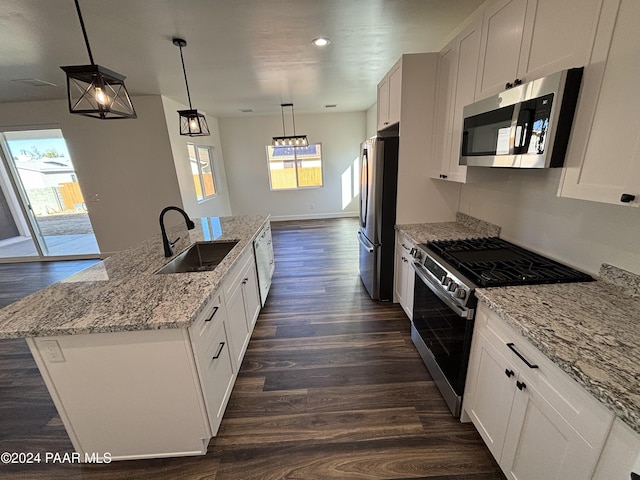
column 447, row 273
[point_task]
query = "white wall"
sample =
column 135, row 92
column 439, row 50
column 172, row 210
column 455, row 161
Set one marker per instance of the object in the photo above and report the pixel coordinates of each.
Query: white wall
column 216, row 206
column 372, row 121
column 127, row 164
column 244, row 141
column 580, row 233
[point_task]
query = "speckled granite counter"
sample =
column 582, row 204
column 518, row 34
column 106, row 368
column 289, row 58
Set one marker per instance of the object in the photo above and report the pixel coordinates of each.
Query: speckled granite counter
column 590, row 330
column 122, row 293
column 464, row 227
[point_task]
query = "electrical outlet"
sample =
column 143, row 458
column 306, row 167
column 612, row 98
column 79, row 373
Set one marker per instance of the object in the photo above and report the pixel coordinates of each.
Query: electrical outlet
column 51, row 351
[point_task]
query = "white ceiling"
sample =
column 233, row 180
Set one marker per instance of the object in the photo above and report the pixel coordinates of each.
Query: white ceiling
column 241, row 54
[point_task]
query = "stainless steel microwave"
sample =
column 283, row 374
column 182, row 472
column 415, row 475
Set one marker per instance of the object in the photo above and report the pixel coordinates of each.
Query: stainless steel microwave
column 527, row 126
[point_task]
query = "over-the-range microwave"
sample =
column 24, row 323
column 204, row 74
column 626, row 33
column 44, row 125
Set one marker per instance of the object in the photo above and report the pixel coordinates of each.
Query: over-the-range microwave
column 527, row 126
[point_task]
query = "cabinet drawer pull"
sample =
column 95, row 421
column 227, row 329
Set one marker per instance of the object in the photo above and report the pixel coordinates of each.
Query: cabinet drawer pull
column 627, row 198
column 509, row 373
column 513, row 349
column 219, row 351
column 244, row 282
column 521, row 385
column 215, row 309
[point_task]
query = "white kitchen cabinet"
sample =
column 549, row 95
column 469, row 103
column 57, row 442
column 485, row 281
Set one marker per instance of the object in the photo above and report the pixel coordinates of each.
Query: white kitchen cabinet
column 603, row 161
column 389, row 97
column 131, row 394
column 404, row 275
column 536, row 421
column 527, row 39
column 213, row 359
column 457, row 69
column 265, row 262
column 621, row 454
column 243, row 305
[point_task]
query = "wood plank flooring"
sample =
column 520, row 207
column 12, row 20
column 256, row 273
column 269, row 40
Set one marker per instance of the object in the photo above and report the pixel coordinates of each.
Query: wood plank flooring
column 331, row 387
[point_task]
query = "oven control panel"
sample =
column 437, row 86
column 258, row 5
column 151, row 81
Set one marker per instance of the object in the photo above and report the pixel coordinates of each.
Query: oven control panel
column 444, row 278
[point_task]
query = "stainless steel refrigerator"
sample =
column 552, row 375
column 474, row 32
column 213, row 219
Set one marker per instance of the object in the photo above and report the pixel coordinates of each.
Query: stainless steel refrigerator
column 378, row 189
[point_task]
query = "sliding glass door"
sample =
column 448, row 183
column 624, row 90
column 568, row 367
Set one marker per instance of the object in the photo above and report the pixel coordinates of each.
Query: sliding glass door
column 43, row 213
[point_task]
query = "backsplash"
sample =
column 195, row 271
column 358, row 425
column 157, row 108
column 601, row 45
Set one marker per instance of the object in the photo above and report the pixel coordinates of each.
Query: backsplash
column 485, row 228
column 629, row 282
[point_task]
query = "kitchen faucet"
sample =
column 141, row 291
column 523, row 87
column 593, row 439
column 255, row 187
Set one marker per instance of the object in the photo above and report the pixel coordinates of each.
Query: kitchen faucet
column 165, row 240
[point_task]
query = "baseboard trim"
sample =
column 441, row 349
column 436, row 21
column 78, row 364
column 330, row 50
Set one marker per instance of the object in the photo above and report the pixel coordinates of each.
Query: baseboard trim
column 316, row 216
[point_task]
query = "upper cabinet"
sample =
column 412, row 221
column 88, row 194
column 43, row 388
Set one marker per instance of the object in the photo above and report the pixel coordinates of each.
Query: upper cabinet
column 527, row 39
column 457, row 68
column 389, row 97
column 603, row 162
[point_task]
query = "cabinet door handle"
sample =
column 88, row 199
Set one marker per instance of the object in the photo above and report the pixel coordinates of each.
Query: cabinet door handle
column 517, row 82
column 509, row 373
column 244, row 282
column 219, row 351
column 215, row 309
column 513, row 349
column 508, row 85
column 521, row 385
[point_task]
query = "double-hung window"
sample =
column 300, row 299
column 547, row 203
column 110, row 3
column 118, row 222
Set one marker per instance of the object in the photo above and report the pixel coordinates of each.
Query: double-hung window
column 201, row 160
column 292, row 168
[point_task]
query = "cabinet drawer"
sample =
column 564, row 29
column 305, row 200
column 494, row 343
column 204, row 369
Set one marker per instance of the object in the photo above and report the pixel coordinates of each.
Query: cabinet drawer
column 581, row 410
column 202, row 329
column 217, row 375
column 237, row 273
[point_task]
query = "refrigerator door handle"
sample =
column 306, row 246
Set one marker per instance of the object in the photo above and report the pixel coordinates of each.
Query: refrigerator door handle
column 362, row 242
column 364, row 188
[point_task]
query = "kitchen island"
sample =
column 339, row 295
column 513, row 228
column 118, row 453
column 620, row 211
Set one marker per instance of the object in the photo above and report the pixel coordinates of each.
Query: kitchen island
column 139, row 364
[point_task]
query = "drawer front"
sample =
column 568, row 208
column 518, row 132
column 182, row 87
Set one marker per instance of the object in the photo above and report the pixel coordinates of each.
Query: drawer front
column 202, row 329
column 237, row 273
column 217, row 375
column 589, row 417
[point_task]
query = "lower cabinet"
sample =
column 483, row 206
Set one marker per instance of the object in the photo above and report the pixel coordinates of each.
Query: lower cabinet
column 243, row 304
column 536, row 421
column 621, row 455
column 215, row 366
column 404, row 275
column 153, row 393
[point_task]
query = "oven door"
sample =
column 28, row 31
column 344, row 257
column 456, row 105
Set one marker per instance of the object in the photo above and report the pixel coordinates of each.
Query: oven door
column 441, row 332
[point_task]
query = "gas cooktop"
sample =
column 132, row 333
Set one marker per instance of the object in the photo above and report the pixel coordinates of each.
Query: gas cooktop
column 494, row 262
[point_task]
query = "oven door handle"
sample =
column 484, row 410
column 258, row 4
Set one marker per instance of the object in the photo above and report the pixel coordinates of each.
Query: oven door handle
column 462, row 312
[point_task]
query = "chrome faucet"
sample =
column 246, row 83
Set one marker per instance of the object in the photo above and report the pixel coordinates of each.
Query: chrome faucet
column 165, row 240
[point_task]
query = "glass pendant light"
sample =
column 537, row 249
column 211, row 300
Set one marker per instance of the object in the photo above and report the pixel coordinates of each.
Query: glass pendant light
column 192, row 122
column 96, row 91
column 289, row 140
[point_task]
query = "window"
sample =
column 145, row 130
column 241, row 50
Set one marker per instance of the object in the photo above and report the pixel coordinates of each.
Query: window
column 201, row 159
column 291, row 168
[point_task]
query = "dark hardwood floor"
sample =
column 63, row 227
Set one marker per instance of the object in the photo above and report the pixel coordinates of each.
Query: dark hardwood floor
column 331, row 387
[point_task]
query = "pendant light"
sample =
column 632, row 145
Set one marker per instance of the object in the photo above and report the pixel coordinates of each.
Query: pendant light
column 192, row 123
column 291, row 140
column 95, row 91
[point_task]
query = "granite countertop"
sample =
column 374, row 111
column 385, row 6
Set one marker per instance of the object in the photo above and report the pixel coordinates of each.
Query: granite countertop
column 122, row 293
column 464, row 227
column 590, row 330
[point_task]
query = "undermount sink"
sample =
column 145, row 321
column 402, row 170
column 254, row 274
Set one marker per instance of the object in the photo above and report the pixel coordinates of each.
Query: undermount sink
column 200, row 257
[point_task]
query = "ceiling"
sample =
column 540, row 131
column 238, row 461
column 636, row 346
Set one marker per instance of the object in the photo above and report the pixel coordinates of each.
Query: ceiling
column 240, row 54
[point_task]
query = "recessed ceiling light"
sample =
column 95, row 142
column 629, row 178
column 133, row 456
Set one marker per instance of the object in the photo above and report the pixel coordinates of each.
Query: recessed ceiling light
column 246, row 110
column 320, row 42
column 331, row 105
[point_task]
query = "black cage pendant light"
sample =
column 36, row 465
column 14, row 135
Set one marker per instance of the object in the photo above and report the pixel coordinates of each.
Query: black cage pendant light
column 289, row 140
column 96, row 91
column 192, row 123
